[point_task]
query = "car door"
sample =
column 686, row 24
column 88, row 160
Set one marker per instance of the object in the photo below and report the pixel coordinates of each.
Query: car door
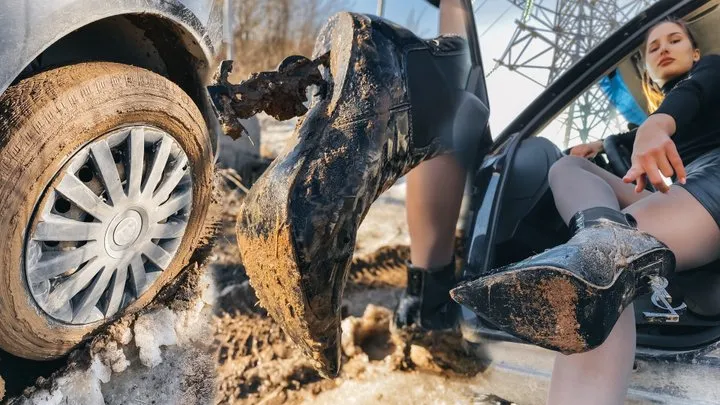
column 490, row 215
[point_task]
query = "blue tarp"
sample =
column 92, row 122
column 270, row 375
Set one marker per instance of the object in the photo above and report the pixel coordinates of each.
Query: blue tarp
column 620, row 97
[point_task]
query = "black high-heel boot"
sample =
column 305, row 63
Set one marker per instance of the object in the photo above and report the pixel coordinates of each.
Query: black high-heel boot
column 392, row 101
column 568, row 298
column 426, row 302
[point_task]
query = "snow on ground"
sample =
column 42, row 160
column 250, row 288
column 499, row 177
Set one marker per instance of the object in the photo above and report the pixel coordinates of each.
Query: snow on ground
column 179, row 354
column 162, row 356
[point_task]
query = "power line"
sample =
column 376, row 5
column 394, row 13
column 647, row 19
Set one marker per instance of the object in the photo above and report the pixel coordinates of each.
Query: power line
column 551, row 36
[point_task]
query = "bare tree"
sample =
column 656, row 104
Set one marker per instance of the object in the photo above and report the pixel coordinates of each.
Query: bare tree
column 266, row 31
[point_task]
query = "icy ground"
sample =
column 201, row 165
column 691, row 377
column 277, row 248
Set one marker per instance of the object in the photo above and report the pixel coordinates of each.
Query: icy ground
column 171, row 354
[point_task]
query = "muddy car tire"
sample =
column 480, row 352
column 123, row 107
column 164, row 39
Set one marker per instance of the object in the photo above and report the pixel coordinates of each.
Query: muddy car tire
column 46, row 122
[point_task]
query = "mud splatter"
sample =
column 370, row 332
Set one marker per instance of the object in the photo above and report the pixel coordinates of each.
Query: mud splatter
column 561, row 297
column 274, row 275
column 548, row 313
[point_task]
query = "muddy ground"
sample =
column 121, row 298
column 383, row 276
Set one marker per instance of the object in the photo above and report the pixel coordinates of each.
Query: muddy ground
column 256, row 362
column 207, row 341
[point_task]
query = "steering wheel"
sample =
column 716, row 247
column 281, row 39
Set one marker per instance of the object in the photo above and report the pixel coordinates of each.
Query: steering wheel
column 598, row 160
column 618, row 155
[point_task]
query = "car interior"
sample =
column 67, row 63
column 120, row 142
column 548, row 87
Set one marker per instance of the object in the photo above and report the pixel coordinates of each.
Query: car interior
column 686, row 321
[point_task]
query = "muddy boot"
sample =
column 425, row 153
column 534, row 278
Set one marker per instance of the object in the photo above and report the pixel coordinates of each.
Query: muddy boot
column 426, row 303
column 568, row 298
column 297, row 227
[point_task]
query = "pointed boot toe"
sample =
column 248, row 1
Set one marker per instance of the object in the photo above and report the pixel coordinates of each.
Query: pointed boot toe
column 568, row 298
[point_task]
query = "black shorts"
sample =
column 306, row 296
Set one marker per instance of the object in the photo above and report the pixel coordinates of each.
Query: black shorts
column 703, row 182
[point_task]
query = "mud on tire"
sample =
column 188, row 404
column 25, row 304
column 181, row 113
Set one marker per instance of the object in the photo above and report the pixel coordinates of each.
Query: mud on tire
column 44, row 121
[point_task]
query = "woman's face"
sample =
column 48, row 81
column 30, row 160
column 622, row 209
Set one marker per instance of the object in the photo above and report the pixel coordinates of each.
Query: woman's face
column 669, row 53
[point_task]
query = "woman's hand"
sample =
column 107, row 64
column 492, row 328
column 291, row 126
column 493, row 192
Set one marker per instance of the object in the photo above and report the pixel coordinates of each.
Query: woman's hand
column 587, row 150
column 654, row 153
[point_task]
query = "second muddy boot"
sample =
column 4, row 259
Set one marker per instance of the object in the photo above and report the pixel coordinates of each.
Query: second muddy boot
column 392, row 101
column 568, row 298
column 425, row 304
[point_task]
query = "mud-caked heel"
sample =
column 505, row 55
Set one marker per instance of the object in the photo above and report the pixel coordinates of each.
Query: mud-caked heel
column 569, row 298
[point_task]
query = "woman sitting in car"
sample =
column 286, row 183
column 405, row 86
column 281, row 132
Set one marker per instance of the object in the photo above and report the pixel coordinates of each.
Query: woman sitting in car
column 577, row 298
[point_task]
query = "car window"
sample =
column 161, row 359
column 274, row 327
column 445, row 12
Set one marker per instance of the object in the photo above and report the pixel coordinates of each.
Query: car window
column 614, row 104
column 524, row 51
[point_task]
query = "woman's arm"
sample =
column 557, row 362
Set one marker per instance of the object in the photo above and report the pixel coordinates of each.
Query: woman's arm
column 654, row 152
column 452, row 18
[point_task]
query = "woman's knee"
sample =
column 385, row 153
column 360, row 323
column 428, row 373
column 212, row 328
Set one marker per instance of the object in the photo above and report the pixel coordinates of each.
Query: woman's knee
column 678, row 220
column 565, row 166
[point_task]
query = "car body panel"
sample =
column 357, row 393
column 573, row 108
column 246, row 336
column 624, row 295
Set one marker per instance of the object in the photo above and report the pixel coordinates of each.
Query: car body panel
column 27, row 27
column 521, row 373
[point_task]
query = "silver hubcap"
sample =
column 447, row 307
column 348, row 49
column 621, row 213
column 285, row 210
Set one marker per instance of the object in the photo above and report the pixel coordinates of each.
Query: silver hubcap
column 109, row 224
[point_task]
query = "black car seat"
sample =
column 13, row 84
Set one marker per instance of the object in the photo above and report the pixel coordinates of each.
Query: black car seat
column 528, row 220
column 700, row 289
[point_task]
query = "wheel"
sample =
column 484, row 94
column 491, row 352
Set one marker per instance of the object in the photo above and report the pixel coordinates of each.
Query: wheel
column 105, row 182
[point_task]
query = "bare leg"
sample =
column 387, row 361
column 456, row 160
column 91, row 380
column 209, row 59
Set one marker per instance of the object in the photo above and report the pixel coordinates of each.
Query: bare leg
column 434, row 194
column 435, row 187
column 601, row 376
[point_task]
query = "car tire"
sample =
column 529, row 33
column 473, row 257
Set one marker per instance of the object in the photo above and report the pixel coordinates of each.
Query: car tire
column 46, row 122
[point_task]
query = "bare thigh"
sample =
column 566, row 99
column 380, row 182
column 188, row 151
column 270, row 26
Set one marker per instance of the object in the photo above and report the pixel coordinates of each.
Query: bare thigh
column 682, row 223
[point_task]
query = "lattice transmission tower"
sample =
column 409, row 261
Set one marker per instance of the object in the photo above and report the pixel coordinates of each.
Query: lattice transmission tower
column 551, row 36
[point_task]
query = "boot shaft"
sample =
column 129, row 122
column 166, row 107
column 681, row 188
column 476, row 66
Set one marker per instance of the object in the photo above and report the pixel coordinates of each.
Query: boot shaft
column 399, row 95
column 599, row 215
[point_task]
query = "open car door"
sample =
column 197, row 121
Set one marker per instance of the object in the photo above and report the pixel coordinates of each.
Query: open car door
column 512, row 216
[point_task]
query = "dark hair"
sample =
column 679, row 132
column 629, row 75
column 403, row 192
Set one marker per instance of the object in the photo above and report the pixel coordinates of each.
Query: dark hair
column 653, row 93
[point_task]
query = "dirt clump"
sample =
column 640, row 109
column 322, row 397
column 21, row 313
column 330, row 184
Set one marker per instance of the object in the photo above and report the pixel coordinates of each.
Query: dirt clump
column 257, row 361
column 561, row 297
column 370, row 339
column 369, row 335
